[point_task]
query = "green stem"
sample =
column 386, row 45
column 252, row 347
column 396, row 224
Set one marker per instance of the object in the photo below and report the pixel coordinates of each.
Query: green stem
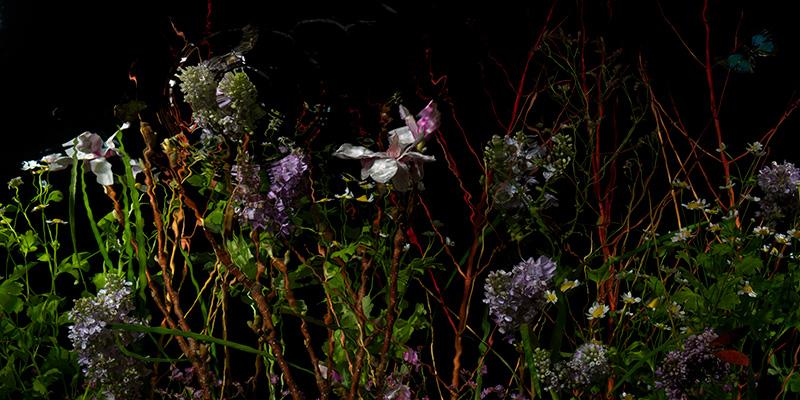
column 528, row 349
column 93, row 224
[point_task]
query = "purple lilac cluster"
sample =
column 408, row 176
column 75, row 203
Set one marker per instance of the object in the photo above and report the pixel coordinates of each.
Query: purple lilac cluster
column 779, row 183
column 271, row 211
column 286, row 176
column 249, row 204
column 685, row 369
column 516, row 297
column 106, row 368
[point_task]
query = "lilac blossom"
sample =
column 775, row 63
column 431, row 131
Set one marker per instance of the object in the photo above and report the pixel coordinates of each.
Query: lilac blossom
column 780, row 184
column 272, row 210
column 589, row 365
column 516, row 297
column 399, row 164
column 696, row 364
column 104, row 365
column 286, row 177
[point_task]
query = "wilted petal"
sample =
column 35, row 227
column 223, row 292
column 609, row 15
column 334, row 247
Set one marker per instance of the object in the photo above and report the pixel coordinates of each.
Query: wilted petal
column 383, row 169
column 402, row 178
column 102, row 170
column 347, row 150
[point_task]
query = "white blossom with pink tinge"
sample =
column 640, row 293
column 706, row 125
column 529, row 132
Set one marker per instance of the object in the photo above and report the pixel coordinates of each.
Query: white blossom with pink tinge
column 400, row 163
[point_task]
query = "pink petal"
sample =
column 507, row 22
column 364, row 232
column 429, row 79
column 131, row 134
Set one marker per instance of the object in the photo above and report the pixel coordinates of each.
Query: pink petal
column 429, row 119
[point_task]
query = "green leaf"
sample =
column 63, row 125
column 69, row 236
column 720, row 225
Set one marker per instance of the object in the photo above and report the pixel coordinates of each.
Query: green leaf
column 214, row 220
column 55, row 196
column 27, row 242
column 748, row 265
column 242, row 256
column 10, row 302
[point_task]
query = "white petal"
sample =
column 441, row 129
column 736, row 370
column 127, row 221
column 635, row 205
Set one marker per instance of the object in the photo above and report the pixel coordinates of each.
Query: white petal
column 413, row 156
column 383, row 169
column 347, row 150
column 57, row 161
column 404, row 136
column 102, row 170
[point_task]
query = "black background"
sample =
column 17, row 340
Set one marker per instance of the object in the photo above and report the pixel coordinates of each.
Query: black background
column 64, row 65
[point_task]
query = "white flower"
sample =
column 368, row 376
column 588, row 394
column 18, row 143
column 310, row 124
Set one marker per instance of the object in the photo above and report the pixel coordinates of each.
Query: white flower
column 793, row 233
column 399, row 163
column 677, row 183
column 626, row 396
column 88, row 147
column 781, row 238
column 628, row 298
column 568, row 285
column 756, row 148
column 597, row 311
column 762, row 231
column 746, row 289
column 550, row 296
column 661, row 325
column 712, row 227
column 682, row 235
column 694, row 205
column 29, row 165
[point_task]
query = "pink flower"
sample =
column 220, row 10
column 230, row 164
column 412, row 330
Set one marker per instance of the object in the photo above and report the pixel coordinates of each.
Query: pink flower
column 88, row 147
column 399, row 163
column 429, row 119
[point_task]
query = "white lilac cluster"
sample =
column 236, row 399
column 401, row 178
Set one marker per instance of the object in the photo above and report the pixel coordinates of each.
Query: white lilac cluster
column 588, row 366
column 107, row 369
column 228, row 104
column 515, row 161
column 517, row 296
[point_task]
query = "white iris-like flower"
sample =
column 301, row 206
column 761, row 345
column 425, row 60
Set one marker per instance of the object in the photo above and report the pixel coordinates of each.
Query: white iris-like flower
column 400, row 163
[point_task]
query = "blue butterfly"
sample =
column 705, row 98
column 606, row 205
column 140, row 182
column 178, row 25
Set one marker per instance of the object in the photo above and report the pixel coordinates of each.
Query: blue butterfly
column 739, row 63
column 762, row 44
column 743, row 61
